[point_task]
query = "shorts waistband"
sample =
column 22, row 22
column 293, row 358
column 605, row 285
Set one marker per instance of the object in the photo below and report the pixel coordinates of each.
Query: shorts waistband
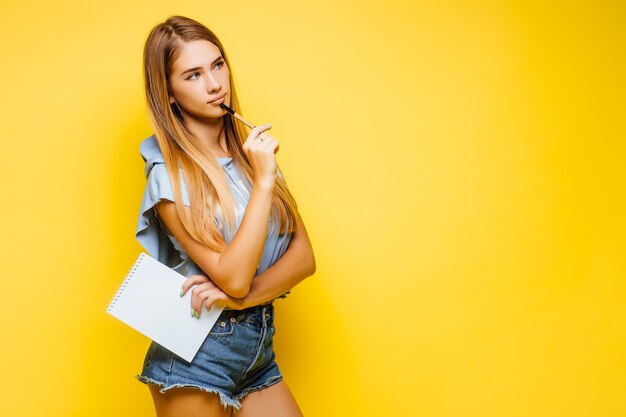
column 251, row 309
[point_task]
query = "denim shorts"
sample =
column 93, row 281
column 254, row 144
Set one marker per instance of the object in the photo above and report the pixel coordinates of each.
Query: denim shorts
column 236, row 358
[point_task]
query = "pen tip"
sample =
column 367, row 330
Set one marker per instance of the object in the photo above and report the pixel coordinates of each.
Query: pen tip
column 225, row 107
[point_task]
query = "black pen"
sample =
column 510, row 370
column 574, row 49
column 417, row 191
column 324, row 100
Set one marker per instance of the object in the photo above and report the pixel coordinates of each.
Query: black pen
column 234, row 113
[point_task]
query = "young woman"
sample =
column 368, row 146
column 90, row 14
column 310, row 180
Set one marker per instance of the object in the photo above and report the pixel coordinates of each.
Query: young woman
column 217, row 209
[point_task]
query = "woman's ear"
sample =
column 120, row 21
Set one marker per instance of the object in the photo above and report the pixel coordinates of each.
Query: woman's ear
column 170, row 93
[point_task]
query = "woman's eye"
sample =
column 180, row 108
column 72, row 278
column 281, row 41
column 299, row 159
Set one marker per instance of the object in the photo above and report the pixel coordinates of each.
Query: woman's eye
column 218, row 65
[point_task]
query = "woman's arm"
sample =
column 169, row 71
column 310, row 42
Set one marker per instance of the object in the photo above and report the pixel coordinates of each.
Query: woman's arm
column 296, row 264
column 232, row 269
column 241, row 257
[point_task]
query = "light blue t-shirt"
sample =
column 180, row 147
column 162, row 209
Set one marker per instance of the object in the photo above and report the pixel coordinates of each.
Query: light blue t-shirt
column 165, row 248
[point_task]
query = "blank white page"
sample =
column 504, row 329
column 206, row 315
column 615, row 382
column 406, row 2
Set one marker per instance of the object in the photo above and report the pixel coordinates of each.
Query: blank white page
column 149, row 301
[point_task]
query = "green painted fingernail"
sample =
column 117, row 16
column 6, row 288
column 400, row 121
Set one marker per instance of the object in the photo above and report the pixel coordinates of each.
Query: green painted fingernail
column 181, row 292
column 193, row 313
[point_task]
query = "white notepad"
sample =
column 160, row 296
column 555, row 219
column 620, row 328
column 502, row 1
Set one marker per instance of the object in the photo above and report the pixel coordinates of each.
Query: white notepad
column 149, row 301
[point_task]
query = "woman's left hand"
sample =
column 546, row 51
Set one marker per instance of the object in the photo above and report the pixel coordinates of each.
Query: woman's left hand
column 205, row 293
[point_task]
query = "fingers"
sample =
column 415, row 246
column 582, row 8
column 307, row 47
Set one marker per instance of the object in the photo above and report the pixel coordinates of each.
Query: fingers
column 204, row 294
column 268, row 144
column 271, row 145
column 255, row 132
column 206, row 299
column 209, row 298
column 261, row 132
column 194, row 281
column 191, row 281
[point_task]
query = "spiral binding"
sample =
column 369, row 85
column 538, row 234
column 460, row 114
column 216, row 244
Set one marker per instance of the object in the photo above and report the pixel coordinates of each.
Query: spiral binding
column 130, row 274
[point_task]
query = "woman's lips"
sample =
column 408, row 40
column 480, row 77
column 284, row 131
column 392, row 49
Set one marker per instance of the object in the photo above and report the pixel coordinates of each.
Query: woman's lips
column 218, row 101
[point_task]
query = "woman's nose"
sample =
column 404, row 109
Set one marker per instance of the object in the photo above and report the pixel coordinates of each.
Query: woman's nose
column 212, row 84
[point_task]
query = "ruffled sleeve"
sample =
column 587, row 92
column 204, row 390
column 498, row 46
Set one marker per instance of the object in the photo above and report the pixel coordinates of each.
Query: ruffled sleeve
column 149, row 232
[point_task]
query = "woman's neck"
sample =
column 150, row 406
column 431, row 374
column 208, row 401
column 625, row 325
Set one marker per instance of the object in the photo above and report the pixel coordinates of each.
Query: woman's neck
column 212, row 137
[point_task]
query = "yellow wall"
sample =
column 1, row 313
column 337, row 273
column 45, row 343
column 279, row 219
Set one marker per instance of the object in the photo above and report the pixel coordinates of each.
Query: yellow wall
column 459, row 166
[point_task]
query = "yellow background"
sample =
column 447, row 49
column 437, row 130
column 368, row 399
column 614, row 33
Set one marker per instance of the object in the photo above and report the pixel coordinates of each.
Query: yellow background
column 459, row 166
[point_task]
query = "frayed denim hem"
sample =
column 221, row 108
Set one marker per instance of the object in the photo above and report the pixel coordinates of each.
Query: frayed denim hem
column 271, row 381
column 225, row 400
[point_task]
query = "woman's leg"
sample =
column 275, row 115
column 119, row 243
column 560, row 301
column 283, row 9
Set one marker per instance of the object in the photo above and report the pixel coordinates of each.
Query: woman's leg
column 187, row 401
column 275, row 400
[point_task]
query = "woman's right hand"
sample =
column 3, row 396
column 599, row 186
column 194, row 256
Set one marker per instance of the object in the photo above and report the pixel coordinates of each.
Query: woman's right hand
column 205, row 293
column 261, row 154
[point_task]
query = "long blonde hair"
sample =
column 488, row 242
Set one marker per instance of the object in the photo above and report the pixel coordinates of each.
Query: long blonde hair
column 205, row 179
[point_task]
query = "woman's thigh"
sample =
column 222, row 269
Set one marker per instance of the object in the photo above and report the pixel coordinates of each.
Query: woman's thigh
column 275, row 400
column 187, row 402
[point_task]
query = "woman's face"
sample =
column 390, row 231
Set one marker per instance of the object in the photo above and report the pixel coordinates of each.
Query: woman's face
column 200, row 75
